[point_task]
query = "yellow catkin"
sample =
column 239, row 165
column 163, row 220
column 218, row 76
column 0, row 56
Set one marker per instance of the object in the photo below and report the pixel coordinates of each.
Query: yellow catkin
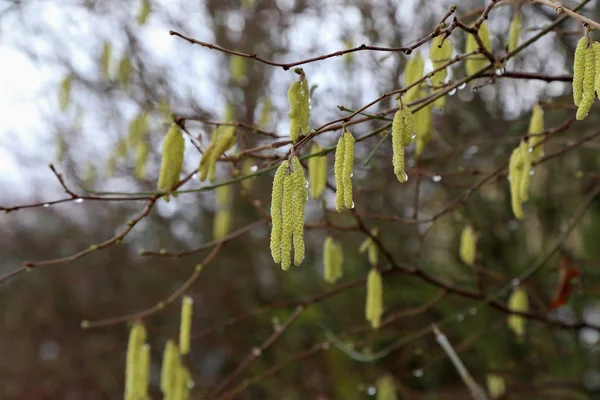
column 317, row 172
column 105, row 59
column 476, row 62
column 412, row 73
column 238, row 68
column 298, row 203
column 276, row 203
column 339, row 174
column 205, row 161
column 137, row 337
column 536, row 126
column 64, row 93
column 468, row 245
column 423, row 128
column 369, row 246
column 125, row 70
column 168, row 371
column 579, row 69
column 172, row 159
column 386, row 389
column 398, row 149
column 496, row 386
column 287, row 215
column 333, row 258
column 347, row 170
column 304, row 106
column 589, row 80
column 526, row 171
column 265, row 112
column 440, row 53
column 185, row 327
column 226, row 141
column 408, row 130
column 141, row 157
column 138, row 128
column 222, row 218
column 515, row 173
column 299, row 99
column 596, row 49
column 144, row 12
column 518, row 301
column 142, row 373
column 181, row 390
column 248, row 167
column 374, row 306
column 514, row 31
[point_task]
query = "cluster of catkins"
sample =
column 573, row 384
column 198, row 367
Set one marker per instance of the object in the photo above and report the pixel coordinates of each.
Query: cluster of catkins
column 287, row 213
column 586, row 75
column 175, row 377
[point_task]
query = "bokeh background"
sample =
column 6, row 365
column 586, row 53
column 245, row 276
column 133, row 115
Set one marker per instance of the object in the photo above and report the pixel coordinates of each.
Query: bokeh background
column 47, row 355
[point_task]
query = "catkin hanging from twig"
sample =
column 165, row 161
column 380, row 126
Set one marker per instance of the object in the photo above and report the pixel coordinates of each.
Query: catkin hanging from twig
column 468, row 245
column 333, row 258
column 172, row 160
column 137, row 337
column 317, row 172
column 477, row 62
column 299, row 99
column 374, row 306
column 185, row 327
column 344, row 162
column 518, row 302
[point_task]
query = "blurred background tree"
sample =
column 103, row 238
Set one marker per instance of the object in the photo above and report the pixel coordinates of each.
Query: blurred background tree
column 93, row 86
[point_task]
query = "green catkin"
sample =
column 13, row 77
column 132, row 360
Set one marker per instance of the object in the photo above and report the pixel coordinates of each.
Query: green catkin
column 299, row 99
column 238, row 68
column 144, row 12
column 222, row 218
column 333, row 258
column 526, row 169
column 536, row 126
column 408, row 130
column 496, row 386
column 476, row 62
column 515, row 174
column 347, row 170
column 374, row 307
column 423, row 128
column 398, row 126
column 369, row 246
column 317, row 172
column 579, row 69
column 468, row 245
column 225, row 142
column 141, row 156
column 125, row 70
column 276, row 205
column 589, row 73
column 440, row 53
column 518, row 302
column 265, row 112
column 64, row 93
column 137, row 337
column 412, row 73
column 172, row 160
column 386, row 389
column 287, row 215
column 105, row 59
column 142, row 373
column 185, row 327
column 339, row 174
column 298, row 203
column 514, row 31
column 596, row 49
column 205, row 161
column 182, row 380
column 168, row 371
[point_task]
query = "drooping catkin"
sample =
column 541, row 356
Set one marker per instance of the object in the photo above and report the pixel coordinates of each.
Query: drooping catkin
column 402, row 132
column 276, row 206
column 496, row 385
column 588, row 85
column 181, row 390
column 298, row 203
column 317, row 172
column 172, row 159
column 412, row 73
column 125, row 71
column 579, row 69
column 223, row 139
column 299, row 100
column 468, row 245
column 144, row 12
column 525, row 174
column 185, row 327
column 476, row 62
column 287, row 215
column 168, row 371
column 514, row 31
column 64, row 93
column 518, row 301
column 536, row 126
column 423, row 128
column 339, row 173
column 440, row 53
column 347, row 170
column 333, row 259
column 515, row 173
column 137, row 337
column 386, row 389
column 374, row 306
column 142, row 373
column 369, row 246
column 105, row 59
column 141, row 157
column 596, row 49
column 222, row 218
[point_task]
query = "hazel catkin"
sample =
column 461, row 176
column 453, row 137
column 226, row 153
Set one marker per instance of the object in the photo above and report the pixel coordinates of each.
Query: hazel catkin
column 468, row 245
column 185, row 327
column 298, row 203
column 579, row 69
column 344, row 162
column 168, row 371
column 412, row 73
column 477, row 62
column 299, row 100
column 333, row 258
column 374, row 306
column 276, row 204
column 518, row 302
column 514, row 31
column 536, row 127
column 317, row 172
column 588, row 84
column 172, row 160
column 137, row 337
column 287, row 215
